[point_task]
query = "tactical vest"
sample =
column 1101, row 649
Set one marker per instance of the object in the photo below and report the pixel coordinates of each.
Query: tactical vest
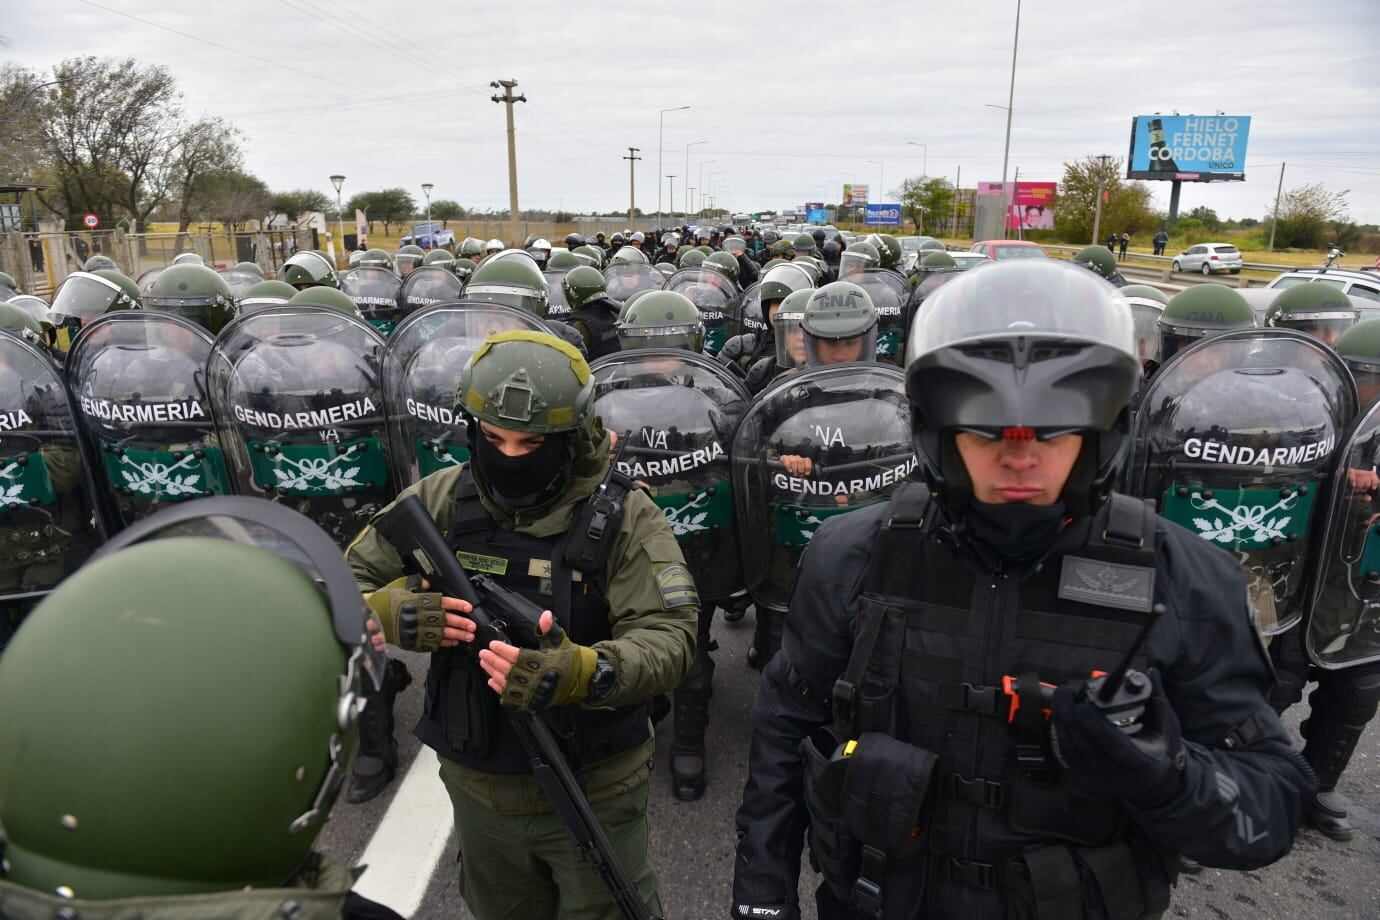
column 463, row 720
column 600, row 319
column 995, row 834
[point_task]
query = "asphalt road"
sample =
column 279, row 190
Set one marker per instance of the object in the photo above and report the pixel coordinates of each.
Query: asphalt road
column 692, row 842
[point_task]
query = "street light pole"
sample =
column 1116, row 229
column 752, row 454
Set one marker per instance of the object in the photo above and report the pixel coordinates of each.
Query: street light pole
column 426, row 190
column 704, row 192
column 1010, row 101
column 671, row 195
column 338, row 181
column 687, row 181
column 660, row 134
column 925, row 164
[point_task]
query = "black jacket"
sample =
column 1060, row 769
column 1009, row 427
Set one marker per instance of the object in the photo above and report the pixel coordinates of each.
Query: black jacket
column 1215, row 675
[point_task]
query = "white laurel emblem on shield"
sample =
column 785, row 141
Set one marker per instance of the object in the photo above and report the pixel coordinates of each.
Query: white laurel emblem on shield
column 158, row 480
column 1257, row 520
column 11, row 493
column 683, row 521
column 317, row 473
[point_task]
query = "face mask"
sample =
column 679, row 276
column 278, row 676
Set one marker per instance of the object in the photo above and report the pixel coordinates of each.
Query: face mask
column 1016, row 530
column 528, row 480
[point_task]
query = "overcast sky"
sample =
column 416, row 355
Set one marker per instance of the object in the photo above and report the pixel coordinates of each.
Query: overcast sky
column 792, row 99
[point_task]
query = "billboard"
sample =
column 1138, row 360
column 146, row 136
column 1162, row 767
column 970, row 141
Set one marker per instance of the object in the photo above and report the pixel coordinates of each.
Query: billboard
column 1189, row 148
column 817, row 216
column 1031, row 203
column 883, row 215
column 854, row 195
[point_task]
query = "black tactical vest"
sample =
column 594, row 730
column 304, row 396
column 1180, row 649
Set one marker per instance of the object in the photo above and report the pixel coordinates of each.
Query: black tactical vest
column 600, row 319
column 997, row 834
column 463, row 720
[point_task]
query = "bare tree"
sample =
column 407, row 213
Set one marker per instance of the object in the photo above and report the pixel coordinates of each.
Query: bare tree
column 204, row 148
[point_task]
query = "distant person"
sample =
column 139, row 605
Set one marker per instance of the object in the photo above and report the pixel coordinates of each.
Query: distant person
column 1125, row 243
column 1161, row 241
column 1111, row 241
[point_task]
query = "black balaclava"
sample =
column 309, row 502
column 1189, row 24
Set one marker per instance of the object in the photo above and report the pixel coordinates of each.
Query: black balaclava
column 1015, row 530
column 529, row 480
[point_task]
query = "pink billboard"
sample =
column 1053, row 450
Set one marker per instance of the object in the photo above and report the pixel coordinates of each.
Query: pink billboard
column 1032, row 203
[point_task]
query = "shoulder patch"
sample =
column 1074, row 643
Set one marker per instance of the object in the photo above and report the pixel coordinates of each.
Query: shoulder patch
column 676, row 586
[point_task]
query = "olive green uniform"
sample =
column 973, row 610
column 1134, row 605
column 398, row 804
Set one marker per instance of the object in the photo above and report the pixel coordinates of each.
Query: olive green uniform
column 517, row 861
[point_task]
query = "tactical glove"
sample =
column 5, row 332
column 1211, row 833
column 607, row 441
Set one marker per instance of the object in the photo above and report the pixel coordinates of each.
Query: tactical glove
column 1102, row 761
column 554, row 674
column 412, row 619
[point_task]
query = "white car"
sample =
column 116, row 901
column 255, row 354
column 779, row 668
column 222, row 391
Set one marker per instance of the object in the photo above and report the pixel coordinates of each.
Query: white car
column 1209, row 258
column 1362, row 284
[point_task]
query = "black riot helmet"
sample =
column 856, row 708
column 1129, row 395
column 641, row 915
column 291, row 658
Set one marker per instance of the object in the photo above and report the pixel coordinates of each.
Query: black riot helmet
column 1043, row 348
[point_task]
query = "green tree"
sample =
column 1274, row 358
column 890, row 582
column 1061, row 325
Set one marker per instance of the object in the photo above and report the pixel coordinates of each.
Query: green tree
column 925, row 202
column 1306, row 214
column 390, row 206
column 1207, row 216
column 293, row 203
column 234, row 197
column 205, row 148
column 1126, row 207
column 445, row 210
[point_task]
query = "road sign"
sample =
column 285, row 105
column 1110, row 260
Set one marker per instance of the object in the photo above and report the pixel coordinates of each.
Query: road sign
column 91, row 221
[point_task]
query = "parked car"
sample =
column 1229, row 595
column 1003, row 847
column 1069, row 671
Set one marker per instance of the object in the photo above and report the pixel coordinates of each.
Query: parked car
column 1001, row 250
column 1362, row 283
column 1209, row 258
column 967, row 260
column 1261, row 298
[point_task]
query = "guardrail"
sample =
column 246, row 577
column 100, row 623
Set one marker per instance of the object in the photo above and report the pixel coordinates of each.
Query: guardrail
column 1159, row 272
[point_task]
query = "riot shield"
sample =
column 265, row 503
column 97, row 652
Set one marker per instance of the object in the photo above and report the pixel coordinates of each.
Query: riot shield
column 1344, row 624
column 139, row 381
column 1235, row 440
column 675, row 413
column 421, row 366
column 378, row 294
column 813, row 445
column 751, row 317
column 556, row 305
column 889, row 294
column 717, row 299
column 48, row 520
column 427, row 286
column 299, row 408
column 623, row 281
column 239, row 280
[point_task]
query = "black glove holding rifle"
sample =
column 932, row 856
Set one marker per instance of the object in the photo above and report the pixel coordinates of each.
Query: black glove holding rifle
column 531, row 663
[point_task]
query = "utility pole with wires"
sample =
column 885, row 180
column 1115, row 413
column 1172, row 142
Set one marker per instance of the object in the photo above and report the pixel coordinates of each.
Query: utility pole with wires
column 632, row 159
column 508, row 99
column 1274, row 218
column 1101, row 185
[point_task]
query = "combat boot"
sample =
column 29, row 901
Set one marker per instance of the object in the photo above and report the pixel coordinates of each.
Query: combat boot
column 736, row 607
column 1328, row 749
column 376, row 763
column 691, row 712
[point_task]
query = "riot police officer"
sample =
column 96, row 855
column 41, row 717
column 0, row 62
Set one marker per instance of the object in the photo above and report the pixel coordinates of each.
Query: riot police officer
column 308, row 269
column 1320, row 310
column 1100, row 260
column 238, row 837
column 906, row 721
column 195, row 293
column 522, row 511
column 1198, row 312
column 592, row 313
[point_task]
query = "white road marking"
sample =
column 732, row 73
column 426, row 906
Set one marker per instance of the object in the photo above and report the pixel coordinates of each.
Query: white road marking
column 407, row 845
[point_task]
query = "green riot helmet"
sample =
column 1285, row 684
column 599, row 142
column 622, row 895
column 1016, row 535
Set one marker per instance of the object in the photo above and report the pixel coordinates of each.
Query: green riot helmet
column 528, row 381
column 1319, row 310
column 595, row 254
column 266, row 294
column 782, row 249
column 689, row 258
column 888, row 249
column 773, row 263
column 1359, row 347
column 471, row 248
column 188, row 258
column 99, row 261
column 840, row 325
column 243, row 772
column 124, row 281
column 725, row 263
column 803, row 244
column 581, row 285
column 786, row 329
column 8, row 286
column 936, row 260
column 563, row 259
column 440, row 257
column 193, row 292
column 308, row 269
column 87, row 295
column 779, row 282
column 408, row 258
column 629, row 255
column 21, row 323
column 378, row 258
column 327, row 298
column 515, row 282
column 1024, row 348
column 633, row 298
column 1146, row 292
column 931, row 243
column 662, row 319
column 1198, row 312
column 810, row 267
column 857, row 258
column 1098, row 258
column 355, row 258
column 251, row 267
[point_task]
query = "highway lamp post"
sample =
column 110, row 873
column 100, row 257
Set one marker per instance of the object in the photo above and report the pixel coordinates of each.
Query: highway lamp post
column 339, row 181
column 687, row 180
column 1010, row 101
column 704, row 191
column 925, row 161
column 426, row 191
column 670, row 195
column 660, row 135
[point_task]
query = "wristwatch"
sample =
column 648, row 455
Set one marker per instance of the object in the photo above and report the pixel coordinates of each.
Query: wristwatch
column 603, row 680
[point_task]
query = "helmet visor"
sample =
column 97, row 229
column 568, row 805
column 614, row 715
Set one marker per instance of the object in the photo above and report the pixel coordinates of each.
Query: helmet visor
column 790, row 340
column 820, row 352
column 689, row 336
column 82, row 298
